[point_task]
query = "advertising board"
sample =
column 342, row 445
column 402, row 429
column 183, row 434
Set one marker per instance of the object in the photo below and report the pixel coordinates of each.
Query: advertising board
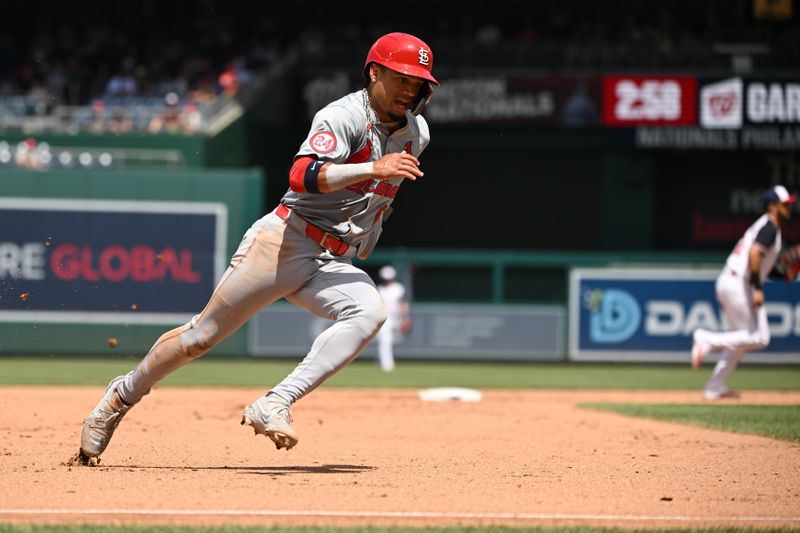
column 650, row 315
column 108, row 261
column 439, row 331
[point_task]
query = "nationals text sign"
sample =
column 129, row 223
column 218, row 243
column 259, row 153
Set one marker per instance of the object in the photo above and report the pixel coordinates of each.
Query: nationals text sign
column 106, row 261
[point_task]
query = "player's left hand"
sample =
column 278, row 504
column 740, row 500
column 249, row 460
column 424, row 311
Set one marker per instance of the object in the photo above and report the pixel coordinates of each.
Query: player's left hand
column 396, row 164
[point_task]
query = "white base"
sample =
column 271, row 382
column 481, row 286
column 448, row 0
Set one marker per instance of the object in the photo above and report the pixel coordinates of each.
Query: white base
column 443, row 394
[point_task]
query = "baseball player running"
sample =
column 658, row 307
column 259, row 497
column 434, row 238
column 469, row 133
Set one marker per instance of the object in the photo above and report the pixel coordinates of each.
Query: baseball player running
column 740, row 292
column 358, row 152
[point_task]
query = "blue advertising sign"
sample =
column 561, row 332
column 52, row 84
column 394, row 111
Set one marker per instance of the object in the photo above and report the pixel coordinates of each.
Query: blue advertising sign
column 650, row 315
column 107, row 261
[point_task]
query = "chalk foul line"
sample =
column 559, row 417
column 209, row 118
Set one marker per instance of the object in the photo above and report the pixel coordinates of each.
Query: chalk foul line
column 398, row 514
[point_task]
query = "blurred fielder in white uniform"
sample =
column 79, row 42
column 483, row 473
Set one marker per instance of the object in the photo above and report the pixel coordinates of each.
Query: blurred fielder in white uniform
column 393, row 294
column 740, row 292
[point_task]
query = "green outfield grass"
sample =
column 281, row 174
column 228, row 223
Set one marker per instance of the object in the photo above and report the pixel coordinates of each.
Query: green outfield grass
column 776, row 421
column 24, row 370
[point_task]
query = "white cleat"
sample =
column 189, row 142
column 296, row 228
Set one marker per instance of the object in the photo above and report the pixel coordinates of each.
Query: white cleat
column 271, row 417
column 700, row 348
column 721, row 395
column 99, row 426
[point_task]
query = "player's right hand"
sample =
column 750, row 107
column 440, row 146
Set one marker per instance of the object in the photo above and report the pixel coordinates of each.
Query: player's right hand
column 401, row 164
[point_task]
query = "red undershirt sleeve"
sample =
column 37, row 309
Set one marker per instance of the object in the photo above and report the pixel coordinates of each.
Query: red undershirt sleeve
column 304, row 174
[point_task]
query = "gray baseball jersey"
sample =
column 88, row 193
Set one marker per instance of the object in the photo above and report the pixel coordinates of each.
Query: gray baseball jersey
column 276, row 258
column 347, row 131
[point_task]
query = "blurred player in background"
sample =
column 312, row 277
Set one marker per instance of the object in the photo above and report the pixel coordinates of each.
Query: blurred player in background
column 393, row 294
column 740, row 292
column 358, row 152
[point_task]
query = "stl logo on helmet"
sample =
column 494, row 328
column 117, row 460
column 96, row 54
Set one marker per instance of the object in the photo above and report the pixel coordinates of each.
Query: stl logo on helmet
column 424, row 58
column 323, row 142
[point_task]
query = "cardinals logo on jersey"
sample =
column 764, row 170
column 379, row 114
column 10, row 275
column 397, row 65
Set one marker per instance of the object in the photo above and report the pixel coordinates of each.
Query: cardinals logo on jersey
column 379, row 187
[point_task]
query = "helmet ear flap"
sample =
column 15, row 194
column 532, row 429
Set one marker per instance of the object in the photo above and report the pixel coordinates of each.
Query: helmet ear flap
column 424, row 96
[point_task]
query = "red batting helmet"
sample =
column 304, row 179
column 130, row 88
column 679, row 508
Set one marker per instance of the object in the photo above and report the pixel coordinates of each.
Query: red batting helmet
column 403, row 53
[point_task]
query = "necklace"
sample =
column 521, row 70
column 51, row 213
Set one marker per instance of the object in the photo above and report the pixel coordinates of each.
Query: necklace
column 372, row 116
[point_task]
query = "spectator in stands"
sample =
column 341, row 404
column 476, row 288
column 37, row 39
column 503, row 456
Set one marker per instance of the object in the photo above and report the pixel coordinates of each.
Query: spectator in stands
column 97, row 122
column 26, row 155
column 119, row 122
column 204, row 91
column 79, row 54
column 169, row 120
column 229, row 82
column 123, row 83
column 38, row 96
column 191, row 119
column 234, row 76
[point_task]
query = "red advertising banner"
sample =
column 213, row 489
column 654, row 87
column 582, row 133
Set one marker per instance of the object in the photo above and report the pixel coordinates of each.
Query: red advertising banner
column 649, row 100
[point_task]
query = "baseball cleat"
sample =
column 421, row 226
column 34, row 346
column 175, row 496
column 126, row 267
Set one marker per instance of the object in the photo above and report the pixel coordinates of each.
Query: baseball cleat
column 99, row 426
column 272, row 418
column 700, row 348
column 725, row 395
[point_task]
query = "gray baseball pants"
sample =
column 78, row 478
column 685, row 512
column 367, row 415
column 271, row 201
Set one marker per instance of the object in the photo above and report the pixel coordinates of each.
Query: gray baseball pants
column 275, row 259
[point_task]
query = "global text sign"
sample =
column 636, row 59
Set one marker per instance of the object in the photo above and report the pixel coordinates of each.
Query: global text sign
column 105, row 261
column 649, row 315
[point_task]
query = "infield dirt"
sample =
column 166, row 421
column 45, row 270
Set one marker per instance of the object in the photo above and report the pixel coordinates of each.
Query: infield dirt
column 384, row 457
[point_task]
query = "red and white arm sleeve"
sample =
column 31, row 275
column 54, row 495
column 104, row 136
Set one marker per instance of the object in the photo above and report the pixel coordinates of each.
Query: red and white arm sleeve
column 309, row 174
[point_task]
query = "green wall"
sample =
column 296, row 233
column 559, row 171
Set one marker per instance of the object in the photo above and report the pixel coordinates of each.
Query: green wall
column 229, row 148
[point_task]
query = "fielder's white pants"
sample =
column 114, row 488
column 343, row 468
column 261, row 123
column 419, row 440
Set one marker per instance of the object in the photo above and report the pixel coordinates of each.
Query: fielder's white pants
column 385, row 344
column 275, row 260
column 748, row 329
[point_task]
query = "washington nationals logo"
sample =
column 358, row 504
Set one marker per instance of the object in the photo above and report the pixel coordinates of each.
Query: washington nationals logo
column 423, row 56
column 323, row 142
